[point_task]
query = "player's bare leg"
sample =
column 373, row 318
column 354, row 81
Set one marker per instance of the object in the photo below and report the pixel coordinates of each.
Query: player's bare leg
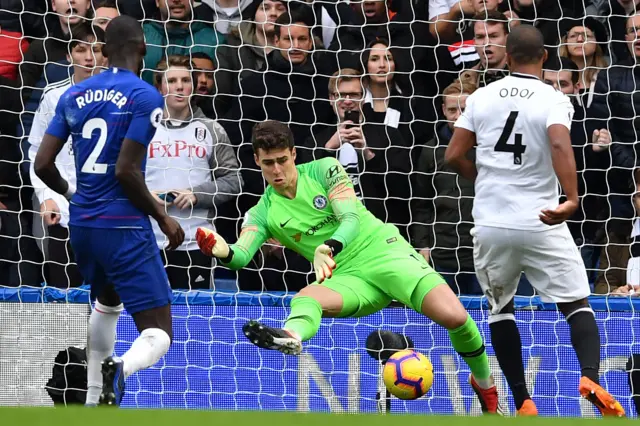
column 443, row 307
column 507, row 345
column 155, row 327
column 307, row 309
column 101, row 338
column 585, row 340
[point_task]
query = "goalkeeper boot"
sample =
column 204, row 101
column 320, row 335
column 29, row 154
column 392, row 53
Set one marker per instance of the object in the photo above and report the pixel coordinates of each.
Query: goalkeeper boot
column 599, row 397
column 267, row 337
column 528, row 409
column 488, row 397
column 113, row 381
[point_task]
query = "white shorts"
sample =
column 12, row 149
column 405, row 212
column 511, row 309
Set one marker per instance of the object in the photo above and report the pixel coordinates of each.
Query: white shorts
column 549, row 259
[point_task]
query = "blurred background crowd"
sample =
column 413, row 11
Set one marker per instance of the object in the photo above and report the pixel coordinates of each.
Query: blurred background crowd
column 377, row 84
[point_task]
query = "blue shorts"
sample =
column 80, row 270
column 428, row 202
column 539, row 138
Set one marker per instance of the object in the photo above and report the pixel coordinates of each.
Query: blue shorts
column 127, row 258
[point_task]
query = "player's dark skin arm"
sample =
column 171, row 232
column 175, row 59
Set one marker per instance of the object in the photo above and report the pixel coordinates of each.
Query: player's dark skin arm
column 564, row 164
column 455, row 156
column 45, row 164
column 129, row 174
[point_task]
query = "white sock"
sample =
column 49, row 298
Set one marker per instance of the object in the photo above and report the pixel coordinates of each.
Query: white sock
column 101, row 338
column 146, row 350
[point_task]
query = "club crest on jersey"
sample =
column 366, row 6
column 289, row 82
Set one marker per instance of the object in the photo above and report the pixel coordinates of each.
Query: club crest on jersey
column 319, row 202
column 200, row 134
column 156, row 117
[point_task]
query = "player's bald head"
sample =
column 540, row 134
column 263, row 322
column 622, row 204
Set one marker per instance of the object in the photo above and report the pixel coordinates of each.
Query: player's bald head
column 122, row 33
column 525, row 45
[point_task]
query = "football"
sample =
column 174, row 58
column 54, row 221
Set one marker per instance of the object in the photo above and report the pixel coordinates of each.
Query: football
column 408, row 374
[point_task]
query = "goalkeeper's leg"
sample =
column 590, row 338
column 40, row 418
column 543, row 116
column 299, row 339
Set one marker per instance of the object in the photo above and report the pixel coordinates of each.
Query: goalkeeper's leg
column 585, row 340
column 340, row 296
column 435, row 299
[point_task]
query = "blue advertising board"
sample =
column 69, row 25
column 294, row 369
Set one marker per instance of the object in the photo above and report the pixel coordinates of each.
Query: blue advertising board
column 211, row 365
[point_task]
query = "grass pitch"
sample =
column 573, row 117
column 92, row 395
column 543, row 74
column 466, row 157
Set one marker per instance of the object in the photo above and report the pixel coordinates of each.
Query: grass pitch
column 114, row 417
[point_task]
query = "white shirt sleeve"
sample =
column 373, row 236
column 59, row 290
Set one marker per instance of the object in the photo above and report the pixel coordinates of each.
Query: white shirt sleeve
column 561, row 112
column 41, row 121
column 439, row 7
column 465, row 121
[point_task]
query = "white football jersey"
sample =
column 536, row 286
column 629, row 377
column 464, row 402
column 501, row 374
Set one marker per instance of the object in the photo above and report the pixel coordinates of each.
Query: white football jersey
column 516, row 179
column 65, row 161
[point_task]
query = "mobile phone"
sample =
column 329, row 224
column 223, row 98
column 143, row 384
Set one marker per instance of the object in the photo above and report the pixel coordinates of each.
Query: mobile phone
column 167, row 197
column 352, row 115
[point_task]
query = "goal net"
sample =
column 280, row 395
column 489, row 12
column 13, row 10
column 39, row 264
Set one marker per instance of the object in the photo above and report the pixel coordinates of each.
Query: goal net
column 410, row 53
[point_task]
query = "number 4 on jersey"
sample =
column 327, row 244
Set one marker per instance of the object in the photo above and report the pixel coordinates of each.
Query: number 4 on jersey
column 517, row 148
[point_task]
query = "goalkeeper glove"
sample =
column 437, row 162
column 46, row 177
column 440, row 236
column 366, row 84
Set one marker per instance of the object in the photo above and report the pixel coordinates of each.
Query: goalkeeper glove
column 212, row 244
column 323, row 262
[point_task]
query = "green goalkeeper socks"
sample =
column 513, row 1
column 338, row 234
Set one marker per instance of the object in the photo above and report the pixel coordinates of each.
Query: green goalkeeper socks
column 467, row 341
column 305, row 316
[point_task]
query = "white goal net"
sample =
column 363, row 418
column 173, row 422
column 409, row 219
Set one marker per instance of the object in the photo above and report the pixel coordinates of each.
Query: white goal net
column 376, row 84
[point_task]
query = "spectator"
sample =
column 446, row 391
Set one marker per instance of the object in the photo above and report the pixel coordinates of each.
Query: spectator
column 613, row 14
column 290, row 89
column 104, row 12
column 615, row 101
column 376, row 156
column 462, row 46
column 584, row 42
column 384, row 101
column 204, row 78
column 491, row 44
column 86, row 58
column 44, row 62
column 544, row 15
column 176, row 33
column 13, row 45
column 191, row 159
column 224, row 14
column 246, row 50
column 372, row 17
column 591, row 141
column 442, row 208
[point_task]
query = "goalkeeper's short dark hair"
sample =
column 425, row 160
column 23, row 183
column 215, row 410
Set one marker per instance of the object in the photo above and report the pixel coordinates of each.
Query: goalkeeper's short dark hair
column 85, row 33
column 271, row 135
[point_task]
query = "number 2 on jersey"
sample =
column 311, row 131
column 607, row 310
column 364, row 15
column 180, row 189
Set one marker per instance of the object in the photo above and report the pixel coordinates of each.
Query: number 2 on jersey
column 517, row 148
column 92, row 165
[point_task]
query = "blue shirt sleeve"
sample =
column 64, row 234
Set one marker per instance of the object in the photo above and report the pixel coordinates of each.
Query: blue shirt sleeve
column 147, row 113
column 59, row 127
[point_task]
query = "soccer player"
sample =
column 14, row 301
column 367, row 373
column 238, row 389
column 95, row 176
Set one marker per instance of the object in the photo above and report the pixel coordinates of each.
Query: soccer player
column 361, row 264
column 112, row 118
column 520, row 128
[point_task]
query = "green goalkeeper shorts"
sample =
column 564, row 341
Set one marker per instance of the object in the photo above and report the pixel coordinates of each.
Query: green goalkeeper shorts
column 389, row 269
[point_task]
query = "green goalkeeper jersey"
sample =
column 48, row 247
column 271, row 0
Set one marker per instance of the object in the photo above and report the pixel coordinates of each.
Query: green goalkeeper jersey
column 325, row 207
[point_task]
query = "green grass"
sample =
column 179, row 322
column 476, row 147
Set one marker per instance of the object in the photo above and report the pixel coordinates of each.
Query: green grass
column 114, row 417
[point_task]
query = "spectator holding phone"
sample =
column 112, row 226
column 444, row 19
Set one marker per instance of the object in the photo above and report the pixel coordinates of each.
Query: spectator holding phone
column 374, row 155
column 191, row 169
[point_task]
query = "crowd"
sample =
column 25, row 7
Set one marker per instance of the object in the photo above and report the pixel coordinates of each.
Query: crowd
column 377, row 84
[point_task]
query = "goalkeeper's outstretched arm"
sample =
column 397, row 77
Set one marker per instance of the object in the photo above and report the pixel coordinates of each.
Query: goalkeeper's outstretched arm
column 236, row 256
column 344, row 203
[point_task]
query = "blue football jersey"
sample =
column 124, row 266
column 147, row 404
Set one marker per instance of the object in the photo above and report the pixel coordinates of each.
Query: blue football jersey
column 99, row 113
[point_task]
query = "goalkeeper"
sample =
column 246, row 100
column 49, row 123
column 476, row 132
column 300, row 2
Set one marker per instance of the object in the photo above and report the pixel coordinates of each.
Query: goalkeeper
column 361, row 264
